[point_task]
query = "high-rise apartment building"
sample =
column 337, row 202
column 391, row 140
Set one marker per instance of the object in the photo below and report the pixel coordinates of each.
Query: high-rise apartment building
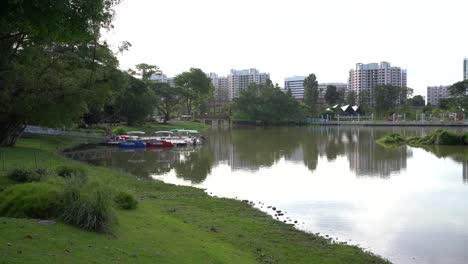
column 435, row 93
column 296, row 85
column 221, row 87
column 465, row 69
column 239, row 80
column 365, row 77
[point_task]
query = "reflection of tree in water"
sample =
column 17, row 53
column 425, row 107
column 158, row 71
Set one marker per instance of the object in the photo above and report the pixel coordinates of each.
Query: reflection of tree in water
column 254, row 148
column 195, row 165
column 367, row 158
column 143, row 163
column 458, row 154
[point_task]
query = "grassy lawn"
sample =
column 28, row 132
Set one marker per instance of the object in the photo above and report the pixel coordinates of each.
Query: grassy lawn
column 172, row 224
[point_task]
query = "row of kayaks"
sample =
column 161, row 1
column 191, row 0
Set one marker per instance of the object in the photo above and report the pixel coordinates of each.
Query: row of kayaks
column 161, row 139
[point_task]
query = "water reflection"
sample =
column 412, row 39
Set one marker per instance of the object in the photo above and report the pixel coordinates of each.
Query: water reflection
column 407, row 204
column 253, row 149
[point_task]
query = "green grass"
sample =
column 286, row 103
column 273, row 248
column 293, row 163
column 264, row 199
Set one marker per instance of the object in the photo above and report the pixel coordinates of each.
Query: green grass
column 172, row 224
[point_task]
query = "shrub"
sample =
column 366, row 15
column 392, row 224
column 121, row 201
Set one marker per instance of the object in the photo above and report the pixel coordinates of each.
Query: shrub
column 31, row 200
column 125, row 201
column 67, row 172
column 27, row 175
column 392, row 139
column 438, row 137
column 465, row 138
column 87, row 206
column 119, row 131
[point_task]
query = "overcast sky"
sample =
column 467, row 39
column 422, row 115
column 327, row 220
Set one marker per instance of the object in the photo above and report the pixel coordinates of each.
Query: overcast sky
column 286, row 38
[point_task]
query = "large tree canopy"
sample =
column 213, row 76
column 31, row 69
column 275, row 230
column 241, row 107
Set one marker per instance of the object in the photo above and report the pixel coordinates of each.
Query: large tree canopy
column 266, row 103
column 311, row 94
column 52, row 67
column 196, row 89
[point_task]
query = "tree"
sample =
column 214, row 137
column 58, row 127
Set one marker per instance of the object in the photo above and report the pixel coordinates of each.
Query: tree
column 351, row 98
column 137, row 102
column 195, row 87
column 266, row 103
column 311, row 94
column 168, row 99
column 52, row 67
column 388, row 97
column 332, row 96
column 364, row 98
column 417, row 101
column 146, row 70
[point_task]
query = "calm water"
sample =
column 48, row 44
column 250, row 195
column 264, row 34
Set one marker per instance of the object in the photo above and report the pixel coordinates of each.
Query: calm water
column 407, row 204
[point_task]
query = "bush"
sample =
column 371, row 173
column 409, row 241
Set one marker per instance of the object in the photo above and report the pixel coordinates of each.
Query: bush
column 392, row 139
column 67, row 172
column 465, row 138
column 87, row 206
column 27, row 175
column 31, row 200
column 439, row 137
column 125, row 201
column 119, row 131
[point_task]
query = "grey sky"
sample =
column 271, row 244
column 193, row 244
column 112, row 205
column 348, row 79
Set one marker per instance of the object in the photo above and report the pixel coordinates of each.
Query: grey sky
column 286, row 38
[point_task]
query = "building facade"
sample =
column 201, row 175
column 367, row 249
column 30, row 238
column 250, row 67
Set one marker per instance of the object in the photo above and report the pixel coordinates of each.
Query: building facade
column 162, row 78
column 296, row 85
column 465, row 69
column 239, row 80
column 435, row 93
column 365, row 77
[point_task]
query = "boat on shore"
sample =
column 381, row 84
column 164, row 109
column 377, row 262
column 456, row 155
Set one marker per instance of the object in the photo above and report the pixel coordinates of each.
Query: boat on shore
column 132, row 144
column 159, row 144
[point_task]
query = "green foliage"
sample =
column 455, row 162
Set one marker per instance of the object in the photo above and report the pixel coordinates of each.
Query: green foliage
column 332, row 95
column 438, row 137
column 87, row 206
column 146, row 70
column 266, row 103
column 125, row 201
column 67, row 172
column 168, row 97
column 391, row 139
column 195, row 89
column 53, row 48
column 388, row 97
column 119, row 131
column 27, row 175
column 417, row 101
column 311, row 94
column 31, row 200
column 137, row 102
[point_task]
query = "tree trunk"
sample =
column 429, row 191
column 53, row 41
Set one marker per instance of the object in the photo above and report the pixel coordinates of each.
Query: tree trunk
column 10, row 131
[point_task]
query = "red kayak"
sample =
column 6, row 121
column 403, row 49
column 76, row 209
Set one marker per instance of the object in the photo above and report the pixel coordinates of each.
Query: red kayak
column 159, row 144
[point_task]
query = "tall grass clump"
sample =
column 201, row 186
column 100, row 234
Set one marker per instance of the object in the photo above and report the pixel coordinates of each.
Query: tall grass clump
column 124, row 200
column 87, row 206
column 31, row 200
column 27, row 175
column 67, row 172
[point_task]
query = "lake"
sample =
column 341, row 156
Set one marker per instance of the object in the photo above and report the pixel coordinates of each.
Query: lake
column 406, row 204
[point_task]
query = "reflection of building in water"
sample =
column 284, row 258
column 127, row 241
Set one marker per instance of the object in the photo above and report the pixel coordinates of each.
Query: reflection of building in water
column 367, row 158
column 465, row 171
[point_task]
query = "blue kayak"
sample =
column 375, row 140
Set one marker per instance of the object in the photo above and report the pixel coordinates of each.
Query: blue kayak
column 132, row 144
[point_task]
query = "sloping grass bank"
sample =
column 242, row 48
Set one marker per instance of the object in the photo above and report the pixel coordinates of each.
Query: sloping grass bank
column 172, row 224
